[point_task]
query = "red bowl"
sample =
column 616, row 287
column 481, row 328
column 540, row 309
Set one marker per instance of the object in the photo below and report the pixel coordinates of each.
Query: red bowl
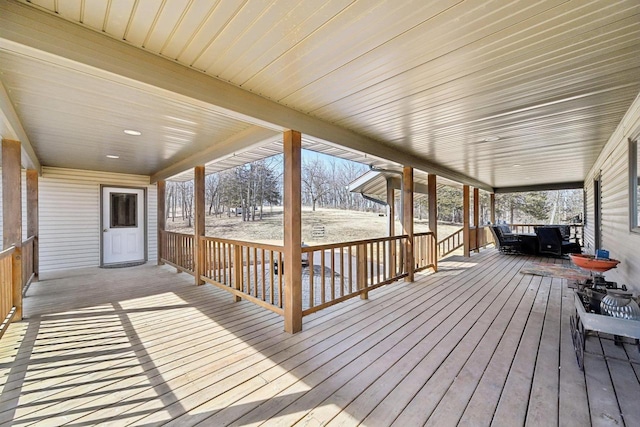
column 589, row 262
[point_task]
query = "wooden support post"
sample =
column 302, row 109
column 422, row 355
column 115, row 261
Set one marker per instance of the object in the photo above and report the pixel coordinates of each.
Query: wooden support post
column 492, row 207
column 476, row 217
column 466, row 232
column 407, row 220
column 198, row 223
column 292, row 231
column 12, row 215
column 432, row 189
column 391, row 226
column 161, row 187
column 33, row 226
column 361, row 269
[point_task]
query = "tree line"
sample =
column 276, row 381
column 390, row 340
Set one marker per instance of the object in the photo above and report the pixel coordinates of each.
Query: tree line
column 246, row 190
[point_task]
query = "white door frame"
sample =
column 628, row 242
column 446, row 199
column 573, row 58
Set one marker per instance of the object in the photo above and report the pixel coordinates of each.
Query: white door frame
column 103, row 226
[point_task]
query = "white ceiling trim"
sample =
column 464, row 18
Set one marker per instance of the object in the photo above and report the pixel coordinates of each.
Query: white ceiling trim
column 35, row 29
column 12, row 129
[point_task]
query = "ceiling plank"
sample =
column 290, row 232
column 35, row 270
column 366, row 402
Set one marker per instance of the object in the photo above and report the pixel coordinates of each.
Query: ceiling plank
column 242, row 141
column 37, row 33
column 12, row 129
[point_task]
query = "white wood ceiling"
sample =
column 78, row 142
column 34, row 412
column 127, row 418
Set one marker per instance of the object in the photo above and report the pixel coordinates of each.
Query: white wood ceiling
column 435, row 79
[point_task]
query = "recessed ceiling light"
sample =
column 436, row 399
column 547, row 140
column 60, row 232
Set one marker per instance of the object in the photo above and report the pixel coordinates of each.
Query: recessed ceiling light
column 491, row 139
column 516, row 166
column 113, row 156
column 132, row 132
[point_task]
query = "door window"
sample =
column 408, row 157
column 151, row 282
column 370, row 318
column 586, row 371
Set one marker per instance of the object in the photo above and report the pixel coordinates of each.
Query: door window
column 123, row 210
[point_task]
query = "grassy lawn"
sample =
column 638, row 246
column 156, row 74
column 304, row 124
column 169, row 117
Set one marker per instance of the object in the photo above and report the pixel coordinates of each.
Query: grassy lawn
column 339, row 226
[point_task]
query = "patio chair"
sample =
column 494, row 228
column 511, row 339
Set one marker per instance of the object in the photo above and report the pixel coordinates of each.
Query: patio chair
column 506, row 242
column 551, row 243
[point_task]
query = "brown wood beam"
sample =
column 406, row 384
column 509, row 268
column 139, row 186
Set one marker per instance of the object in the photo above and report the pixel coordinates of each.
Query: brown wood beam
column 292, row 231
column 391, row 226
column 12, row 215
column 476, row 217
column 198, row 221
column 433, row 213
column 466, row 232
column 32, row 217
column 407, row 220
column 161, row 187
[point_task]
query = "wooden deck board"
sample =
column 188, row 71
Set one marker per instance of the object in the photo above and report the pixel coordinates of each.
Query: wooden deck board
column 475, row 344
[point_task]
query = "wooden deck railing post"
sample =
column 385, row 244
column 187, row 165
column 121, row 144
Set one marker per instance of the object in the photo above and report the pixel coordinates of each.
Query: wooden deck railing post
column 292, row 148
column 32, row 219
column 466, row 232
column 361, row 266
column 391, row 225
column 433, row 218
column 161, row 218
column 476, row 217
column 12, row 215
column 407, row 220
column 198, row 223
column 237, row 270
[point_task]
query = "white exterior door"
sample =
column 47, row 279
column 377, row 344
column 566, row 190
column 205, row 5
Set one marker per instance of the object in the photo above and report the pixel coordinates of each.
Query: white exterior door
column 123, row 226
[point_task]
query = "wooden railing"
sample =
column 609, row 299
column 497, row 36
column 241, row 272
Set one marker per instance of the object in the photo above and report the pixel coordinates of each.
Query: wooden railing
column 450, row 243
column 576, row 230
column 480, row 237
column 28, row 266
column 337, row 272
column 331, row 273
column 252, row 271
column 424, row 252
column 7, row 309
column 177, row 250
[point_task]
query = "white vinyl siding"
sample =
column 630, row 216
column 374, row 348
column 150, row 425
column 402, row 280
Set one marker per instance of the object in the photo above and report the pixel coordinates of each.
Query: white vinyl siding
column 613, row 165
column 70, row 233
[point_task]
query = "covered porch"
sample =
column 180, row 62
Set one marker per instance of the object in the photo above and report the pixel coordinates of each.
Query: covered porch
column 476, row 343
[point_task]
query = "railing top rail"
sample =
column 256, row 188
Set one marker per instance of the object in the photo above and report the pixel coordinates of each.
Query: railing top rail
column 29, row 240
column 264, row 246
column 423, row 233
column 177, row 234
column 7, row 252
column 312, row 248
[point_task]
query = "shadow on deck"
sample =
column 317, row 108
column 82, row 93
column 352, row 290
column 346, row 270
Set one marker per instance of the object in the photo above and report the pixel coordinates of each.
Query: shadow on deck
column 478, row 343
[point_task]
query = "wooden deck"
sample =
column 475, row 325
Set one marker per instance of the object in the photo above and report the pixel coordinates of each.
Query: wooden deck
column 476, row 344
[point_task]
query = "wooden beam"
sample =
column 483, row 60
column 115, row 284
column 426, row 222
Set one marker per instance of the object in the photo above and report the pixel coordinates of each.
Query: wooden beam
column 12, row 129
column 433, row 212
column 492, row 207
column 292, row 148
column 12, row 215
column 198, row 221
column 476, row 217
column 242, row 141
column 391, row 227
column 466, row 236
column 32, row 217
column 161, row 187
column 541, row 187
column 98, row 54
column 407, row 220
